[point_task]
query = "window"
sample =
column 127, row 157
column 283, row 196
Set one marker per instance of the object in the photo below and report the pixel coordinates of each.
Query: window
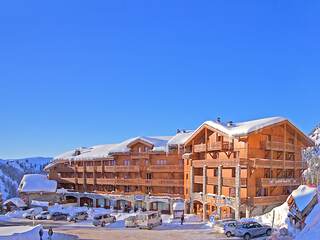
column 149, row 189
column 149, row 175
column 233, row 172
column 215, row 189
column 187, row 176
column 215, row 172
column 127, row 188
column 126, row 162
column 161, row 162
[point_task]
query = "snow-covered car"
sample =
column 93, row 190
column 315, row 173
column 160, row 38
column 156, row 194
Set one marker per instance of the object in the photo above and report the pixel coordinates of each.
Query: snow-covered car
column 218, row 225
column 130, row 222
column 77, row 216
column 42, row 216
column 252, row 229
column 57, row 216
column 230, row 227
column 32, row 212
column 149, row 220
column 103, row 219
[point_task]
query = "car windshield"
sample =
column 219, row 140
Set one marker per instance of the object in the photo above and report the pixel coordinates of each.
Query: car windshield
column 97, row 217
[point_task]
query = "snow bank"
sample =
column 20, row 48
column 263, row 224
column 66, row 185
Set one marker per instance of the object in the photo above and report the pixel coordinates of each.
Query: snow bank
column 37, row 183
column 280, row 216
column 20, row 233
column 312, row 228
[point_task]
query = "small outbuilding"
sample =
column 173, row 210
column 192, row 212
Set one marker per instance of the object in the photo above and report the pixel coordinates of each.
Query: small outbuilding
column 14, row 204
column 37, row 187
column 301, row 202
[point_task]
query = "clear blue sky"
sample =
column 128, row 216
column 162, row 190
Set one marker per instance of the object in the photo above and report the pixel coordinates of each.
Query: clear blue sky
column 79, row 73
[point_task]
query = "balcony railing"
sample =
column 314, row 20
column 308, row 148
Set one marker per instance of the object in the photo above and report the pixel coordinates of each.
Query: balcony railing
column 220, row 146
column 216, row 163
column 268, row 200
column 165, row 168
column 212, row 180
column 272, row 182
column 231, row 182
column 268, row 163
column 198, row 179
column 141, row 155
column 280, row 146
column 200, row 147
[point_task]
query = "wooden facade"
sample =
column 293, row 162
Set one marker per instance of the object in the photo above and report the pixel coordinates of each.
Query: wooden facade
column 138, row 171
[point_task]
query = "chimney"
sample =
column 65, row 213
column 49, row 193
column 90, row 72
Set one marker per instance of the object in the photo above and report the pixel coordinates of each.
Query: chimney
column 218, row 120
column 178, row 130
column 230, row 124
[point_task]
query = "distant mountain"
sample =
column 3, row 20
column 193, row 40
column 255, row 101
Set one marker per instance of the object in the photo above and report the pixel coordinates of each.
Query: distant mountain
column 12, row 171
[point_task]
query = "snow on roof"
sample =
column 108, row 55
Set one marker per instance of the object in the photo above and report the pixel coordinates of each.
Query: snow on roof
column 37, row 183
column 159, row 143
column 39, row 203
column 303, row 195
column 16, row 201
column 180, row 138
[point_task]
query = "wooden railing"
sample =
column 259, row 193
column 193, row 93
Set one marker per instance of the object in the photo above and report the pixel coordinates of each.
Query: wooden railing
column 200, row 147
column 231, row 182
column 220, row 146
column 268, row 163
column 216, row 163
column 280, row 146
column 268, row 200
column 165, row 168
column 107, row 181
column 270, row 182
column 141, row 155
column 212, row 180
column 198, row 179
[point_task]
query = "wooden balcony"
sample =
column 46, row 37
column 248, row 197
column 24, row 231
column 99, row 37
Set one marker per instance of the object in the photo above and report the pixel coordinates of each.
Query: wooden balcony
column 119, row 168
column 106, row 181
column 268, row 163
column 212, row 180
column 216, row 163
column 165, row 168
column 268, row 200
column 220, row 146
column 141, row 155
column 164, row 182
column 280, row 146
column 198, row 179
column 200, row 147
column 231, row 182
column 66, row 180
column 64, row 168
column 274, row 182
column 89, row 168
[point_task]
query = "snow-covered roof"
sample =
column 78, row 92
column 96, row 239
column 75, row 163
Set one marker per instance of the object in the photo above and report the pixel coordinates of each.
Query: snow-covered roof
column 159, row 143
column 16, row 201
column 36, row 203
column 303, row 195
column 37, row 183
column 238, row 129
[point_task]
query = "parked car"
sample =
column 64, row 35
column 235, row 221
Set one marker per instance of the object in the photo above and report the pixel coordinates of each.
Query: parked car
column 42, row 216
column 149, row 220
column 131, row 222
column 218, row 225
column 102, row 219
column 57, row 216
column 78, row 216
column 252, row 229
column 230, row 227
column 32, row 212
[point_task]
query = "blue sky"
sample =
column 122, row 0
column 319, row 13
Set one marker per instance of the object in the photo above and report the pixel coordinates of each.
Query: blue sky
column 79, row 73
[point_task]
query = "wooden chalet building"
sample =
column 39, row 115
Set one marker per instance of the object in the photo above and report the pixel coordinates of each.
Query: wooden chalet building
column 242, row 169
column 228, row 169
column 142, row 172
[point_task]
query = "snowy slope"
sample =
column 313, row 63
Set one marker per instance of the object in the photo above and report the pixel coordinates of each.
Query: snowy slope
column 12, row 171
